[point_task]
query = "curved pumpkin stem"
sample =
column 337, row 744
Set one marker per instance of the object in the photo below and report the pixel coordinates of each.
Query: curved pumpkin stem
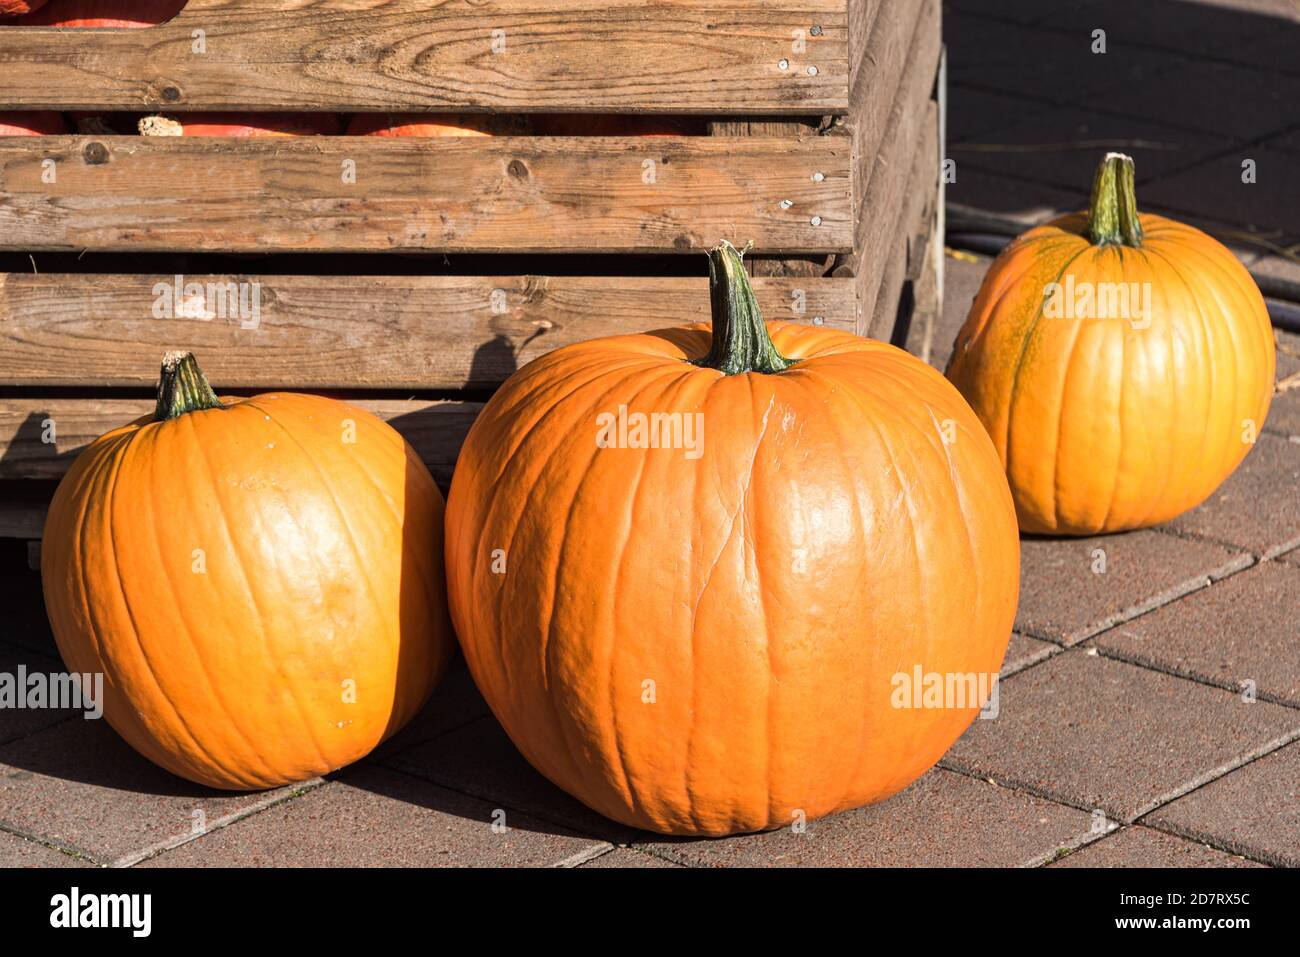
column 1112, row 213
column 740, row 339
column 182, row 387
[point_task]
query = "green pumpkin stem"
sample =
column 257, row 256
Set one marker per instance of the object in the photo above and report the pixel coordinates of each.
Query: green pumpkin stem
column 182, row 387
column 1112, row 213
column 740, row 339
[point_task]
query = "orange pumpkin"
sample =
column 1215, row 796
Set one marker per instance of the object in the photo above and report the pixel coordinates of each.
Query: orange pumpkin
column 16, row 8
column 101, row 14
column 259, row 581
column 1122, row 364
column 32, row 123
column 433, row 124
column 704, row 636
column 241, row 124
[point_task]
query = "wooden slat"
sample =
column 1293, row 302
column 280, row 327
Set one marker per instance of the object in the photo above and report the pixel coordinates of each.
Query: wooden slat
column 419, row 332
column 903, row 58
column 507, row 194
column 905, row 245
column 435, row 429
column 669, row 56
column 862, row 14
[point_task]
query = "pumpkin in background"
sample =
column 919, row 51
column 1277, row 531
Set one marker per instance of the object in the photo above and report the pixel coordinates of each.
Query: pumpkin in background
column 610, row 124
column 434, row 124
column 33, row 123
column 241, row 124
column 706, row 639
column 16, row 8
column 129, row 14
column 259, row 581
column 1122, row 364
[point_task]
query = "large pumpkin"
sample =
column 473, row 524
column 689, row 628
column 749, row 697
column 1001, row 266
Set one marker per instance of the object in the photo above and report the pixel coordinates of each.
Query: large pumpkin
column 259, row 581
column 1122, row 363
column 708, row 638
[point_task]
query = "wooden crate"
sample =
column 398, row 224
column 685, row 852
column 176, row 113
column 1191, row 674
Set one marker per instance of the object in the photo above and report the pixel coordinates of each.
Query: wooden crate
column 823, row 151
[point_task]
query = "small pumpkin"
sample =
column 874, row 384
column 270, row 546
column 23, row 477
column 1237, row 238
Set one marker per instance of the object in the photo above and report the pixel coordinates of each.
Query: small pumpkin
column 687, row 568
column 434, row 124
column 259, row 581
column 1122, row 364
column 128, row 14
column 241, row 124
column 32, row 123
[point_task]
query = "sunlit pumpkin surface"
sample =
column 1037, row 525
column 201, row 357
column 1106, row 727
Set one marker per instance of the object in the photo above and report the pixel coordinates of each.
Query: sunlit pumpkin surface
column 264, row 597
column 705, row 644
column 1107, row 423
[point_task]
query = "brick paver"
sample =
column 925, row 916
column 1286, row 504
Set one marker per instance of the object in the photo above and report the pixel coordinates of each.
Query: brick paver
column 1024, row 202
column 943, row 820
column 1097, row 733
column 1073, row 588
column 453, row 704
column 962, row 275
column 1024, row 651
column 1138, row 846
column 19, row 722
column 1255, row 810
column 627, row 857
column 19, row 852
column 81, row 787
column 373, row 817
column 1061, row 147
column 1215, row 189
column 1244, row 628
column 1258, row 507
column 479, row 759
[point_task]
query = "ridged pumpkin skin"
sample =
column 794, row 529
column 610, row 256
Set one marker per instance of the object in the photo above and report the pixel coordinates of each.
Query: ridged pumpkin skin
column 1103, row 425
column 321, row 565
column 825, row 540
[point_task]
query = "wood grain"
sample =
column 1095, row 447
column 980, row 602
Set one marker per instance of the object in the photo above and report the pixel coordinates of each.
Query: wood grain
column 669, row 56
column 435, row 429
column 323, row 332
column 906, row 244
column 507, row 194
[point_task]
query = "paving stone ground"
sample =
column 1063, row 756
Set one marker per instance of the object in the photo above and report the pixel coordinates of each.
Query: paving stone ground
column 1150, row 698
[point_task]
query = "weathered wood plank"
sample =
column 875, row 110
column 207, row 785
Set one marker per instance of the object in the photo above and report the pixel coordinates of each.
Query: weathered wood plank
column 668, row 56
column 323, row 332
column 861, row 15
column 40, row 438
column 902, row 58
column 507, row 194
column 904, row 246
